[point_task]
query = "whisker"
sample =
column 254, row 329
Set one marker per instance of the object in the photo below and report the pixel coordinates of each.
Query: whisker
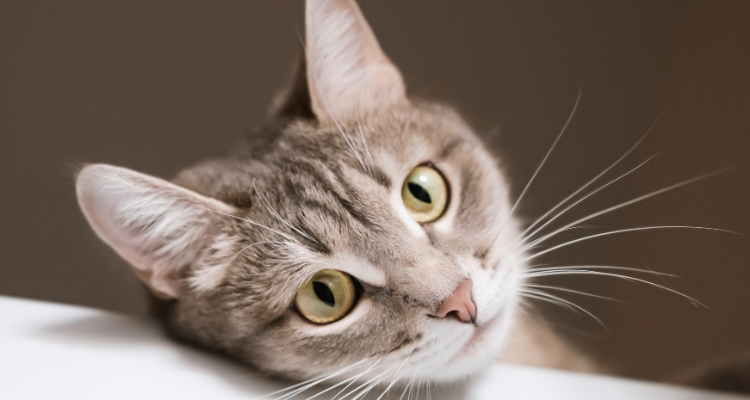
column 612, row 267
column 540, row 219
column 544, row 160
column 350, row 380
column 335, row 119
column 410, row 385
column 275, row 214
column 570, row 303
column 364, row 142
column 600, row 188
column 530, row 295
column 395, row 378
column 364, row 386
column 627, row 203
column 252, row 222
column 624, row 277
column 318, row 378
column 249, row 246
column 369, row 388
column 645, row 228
column 356, row 377
column 531, row 285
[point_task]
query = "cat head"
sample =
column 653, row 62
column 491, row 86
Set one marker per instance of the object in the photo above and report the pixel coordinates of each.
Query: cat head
column 359, row 230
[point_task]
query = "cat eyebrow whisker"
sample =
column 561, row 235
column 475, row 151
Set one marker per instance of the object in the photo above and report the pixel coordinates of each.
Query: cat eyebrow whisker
column 600, row 188
column 348, row 140
column 540, row 295
column 560, row 204
column 364, row 142
column 253, row 222
column 249, row 246
column 275, row 214
column 624, row 204
column 339, row 125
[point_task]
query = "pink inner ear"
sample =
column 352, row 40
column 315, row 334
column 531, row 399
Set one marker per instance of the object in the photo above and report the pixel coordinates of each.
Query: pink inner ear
column 348, row 72
column 158, row 227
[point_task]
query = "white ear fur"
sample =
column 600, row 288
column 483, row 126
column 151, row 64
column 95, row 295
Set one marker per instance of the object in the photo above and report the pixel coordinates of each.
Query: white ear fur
column 347, row 71
column 158, row 227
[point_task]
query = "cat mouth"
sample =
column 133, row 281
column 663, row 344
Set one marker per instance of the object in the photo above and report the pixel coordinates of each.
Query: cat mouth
column 479, row 339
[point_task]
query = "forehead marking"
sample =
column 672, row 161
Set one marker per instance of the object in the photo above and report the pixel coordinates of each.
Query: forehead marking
column 449, row 148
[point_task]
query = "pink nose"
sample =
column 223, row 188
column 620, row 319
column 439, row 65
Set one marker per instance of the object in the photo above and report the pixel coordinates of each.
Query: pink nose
column 459, row 305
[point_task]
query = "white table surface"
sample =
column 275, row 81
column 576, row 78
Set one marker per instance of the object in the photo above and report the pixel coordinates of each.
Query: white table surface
column 54, row 351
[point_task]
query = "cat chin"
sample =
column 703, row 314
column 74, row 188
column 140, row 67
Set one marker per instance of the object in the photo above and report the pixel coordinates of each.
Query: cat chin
column 484, row 347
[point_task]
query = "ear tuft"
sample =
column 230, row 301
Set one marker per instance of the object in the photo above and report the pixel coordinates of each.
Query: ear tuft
column 158, row 227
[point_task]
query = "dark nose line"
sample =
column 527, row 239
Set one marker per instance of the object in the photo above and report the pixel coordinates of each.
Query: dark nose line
column 459, row 305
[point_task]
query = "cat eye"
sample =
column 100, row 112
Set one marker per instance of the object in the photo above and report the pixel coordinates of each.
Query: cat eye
column 425, row 194
column 328, row 296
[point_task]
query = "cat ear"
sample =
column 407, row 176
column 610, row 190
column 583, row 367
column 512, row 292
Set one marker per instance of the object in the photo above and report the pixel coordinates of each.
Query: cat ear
column 158, row 227
column 347, row 71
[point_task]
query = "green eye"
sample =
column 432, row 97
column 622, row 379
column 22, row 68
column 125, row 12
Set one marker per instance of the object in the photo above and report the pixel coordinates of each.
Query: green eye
column 326, row 297
column 425, row 194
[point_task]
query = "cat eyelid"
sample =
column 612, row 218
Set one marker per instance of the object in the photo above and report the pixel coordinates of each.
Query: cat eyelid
column 361, row 270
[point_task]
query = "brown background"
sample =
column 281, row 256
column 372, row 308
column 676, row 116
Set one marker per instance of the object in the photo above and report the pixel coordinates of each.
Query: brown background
column 156, row 86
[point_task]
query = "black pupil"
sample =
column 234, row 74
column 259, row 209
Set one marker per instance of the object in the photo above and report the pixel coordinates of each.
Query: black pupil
column 419, row 192
column 324, row 293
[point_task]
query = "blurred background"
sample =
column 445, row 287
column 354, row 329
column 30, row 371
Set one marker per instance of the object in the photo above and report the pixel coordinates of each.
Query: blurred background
column 157, row 86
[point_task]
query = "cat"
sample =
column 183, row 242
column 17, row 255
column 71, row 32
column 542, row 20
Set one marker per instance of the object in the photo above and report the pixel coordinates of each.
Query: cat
column 358, row 234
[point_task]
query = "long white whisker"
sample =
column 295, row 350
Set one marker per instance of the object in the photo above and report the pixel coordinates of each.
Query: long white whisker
column 544, row 160
column 395, row 378
column 410, row 386
column 540, row 219
column 600, row 188
column 645, row 228
column 308, row 386
column 611, row 267
column 254, row 223
column 364, row 142
column 317, row 378
column 624, row 204
column 570, row 303
column 357, row 377
column 365, row 384
column 625, row 277
column 531, row 285
column 372, row 386
column 350, row 381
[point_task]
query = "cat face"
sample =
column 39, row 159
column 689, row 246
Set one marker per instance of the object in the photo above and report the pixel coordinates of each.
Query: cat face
column 358, row 231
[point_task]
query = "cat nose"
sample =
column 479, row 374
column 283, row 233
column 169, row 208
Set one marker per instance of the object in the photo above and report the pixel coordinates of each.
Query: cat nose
column 459, row 305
